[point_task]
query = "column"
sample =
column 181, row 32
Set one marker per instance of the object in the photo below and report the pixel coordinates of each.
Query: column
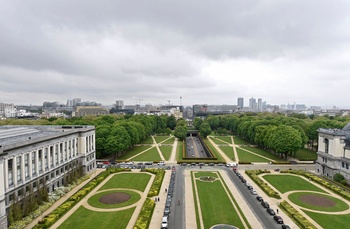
column 6, row 170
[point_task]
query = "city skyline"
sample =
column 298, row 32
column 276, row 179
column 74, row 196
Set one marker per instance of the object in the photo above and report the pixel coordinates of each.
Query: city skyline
column 205, row 52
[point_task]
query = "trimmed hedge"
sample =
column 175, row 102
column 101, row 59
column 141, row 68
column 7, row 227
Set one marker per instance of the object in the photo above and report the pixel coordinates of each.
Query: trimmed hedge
column 336, row 189
column 145, row 216
column 253, row 174
column 56, row 214
column 157, row 182
column 296, row 216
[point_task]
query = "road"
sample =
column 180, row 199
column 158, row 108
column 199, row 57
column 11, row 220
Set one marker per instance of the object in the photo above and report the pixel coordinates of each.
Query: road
column 194, row 148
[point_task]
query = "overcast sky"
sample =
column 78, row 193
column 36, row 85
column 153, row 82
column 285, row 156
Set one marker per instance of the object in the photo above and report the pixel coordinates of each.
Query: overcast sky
column 204, row 51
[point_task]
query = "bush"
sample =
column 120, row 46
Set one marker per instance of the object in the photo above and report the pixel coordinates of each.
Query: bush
column 253, row 174
column 157, row 182
column 145, row 216
column 297, row 217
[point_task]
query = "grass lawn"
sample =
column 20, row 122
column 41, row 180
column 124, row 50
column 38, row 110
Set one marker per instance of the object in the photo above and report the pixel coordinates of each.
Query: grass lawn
column 306, row 155
column 218, row 141
column 330, row 221
column 286, row 183
column 245, row 156
column 215, row 205
column 159, row 139
column 205, row 174
column 170, row 140
column 132, row 152
column 150, row 155
column 179, row 150
column 239, row 141
column 84, row 218
column 228, row 150
column 94, row 200
column 340, row 205
column 166, row 151
column 213, row 150
column 148, row 140
column 264, row 153
column 226, row 139
column 130, row 180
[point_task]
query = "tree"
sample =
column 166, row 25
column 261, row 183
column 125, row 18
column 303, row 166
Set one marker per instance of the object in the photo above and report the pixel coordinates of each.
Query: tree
column 171, row 122
column 286, row 140
column 205, row 129
column 180, row 132
column 197, row 122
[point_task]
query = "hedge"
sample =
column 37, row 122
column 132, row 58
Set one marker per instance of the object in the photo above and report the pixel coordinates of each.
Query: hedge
column 253, row 174
column 296, row 216
column 145, row 216
column 157, row 182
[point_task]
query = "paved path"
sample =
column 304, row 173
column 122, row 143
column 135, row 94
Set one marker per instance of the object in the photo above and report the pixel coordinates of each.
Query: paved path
column 226, row 158
column 63, row 198
column 173, row 152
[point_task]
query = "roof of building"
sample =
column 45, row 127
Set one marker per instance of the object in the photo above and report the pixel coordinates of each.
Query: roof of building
column 16, row 136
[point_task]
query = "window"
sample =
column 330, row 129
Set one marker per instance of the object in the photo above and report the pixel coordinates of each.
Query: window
column 326, row 145
column 19, row 168
column 342, row 164
column 26, row 165
column 33, row 163
column 56, row 154
column 40, row 162
column 10, row 169
column 46, row 159
column 347, row 166
column 51, row 156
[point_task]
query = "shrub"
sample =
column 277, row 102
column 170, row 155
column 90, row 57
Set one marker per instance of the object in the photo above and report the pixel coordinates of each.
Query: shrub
column 144, row 218
column 297, row 217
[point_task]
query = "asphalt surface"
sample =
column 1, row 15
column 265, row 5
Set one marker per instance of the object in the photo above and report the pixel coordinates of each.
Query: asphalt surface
column 177, row 212
column 194, row 148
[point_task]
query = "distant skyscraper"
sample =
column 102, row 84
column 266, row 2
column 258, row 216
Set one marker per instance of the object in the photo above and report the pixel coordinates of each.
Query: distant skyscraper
column 240, row 103
column 259, row 104
column 252, row 104
column 119, row 104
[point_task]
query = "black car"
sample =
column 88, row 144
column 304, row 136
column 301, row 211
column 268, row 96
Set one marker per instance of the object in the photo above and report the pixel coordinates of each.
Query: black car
column 265, row 204
column 211, row 164
column 259, row 198
column 270, row 211
column 184, row 164
column 278, row 219
column 243, row 180
column 284, row 226
column 250, row 187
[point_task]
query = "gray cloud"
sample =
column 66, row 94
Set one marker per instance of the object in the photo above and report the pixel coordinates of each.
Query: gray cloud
column 204, row 51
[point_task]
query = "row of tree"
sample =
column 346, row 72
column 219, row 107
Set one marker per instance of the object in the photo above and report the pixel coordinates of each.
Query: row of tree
column 279, row 133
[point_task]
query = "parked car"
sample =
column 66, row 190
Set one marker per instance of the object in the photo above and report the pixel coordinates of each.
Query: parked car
column 149, row 163
column 285, row 226
column 161, row 163
column 243, row 180
column 278, row 219
column 211, row 164
column 250, row 187
column 265, row 204
column 166, row 211
column 253, row 192
column 184, row 164
column 259, row 198
column 164, row 222
column 270, row 211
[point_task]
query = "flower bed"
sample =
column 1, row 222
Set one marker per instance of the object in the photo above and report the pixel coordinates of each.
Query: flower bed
column 157, row 182
column 145, row 216
column 253, row 174
column 296, row 216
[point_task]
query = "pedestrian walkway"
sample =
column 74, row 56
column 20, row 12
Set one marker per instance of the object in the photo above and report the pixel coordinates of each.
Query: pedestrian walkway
column 64, row 198
column 226, row 158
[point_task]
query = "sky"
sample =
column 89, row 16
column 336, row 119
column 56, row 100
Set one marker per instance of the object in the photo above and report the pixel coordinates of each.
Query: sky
column 156, row 51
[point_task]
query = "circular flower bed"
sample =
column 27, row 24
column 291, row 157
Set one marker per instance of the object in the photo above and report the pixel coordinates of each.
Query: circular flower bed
column 207, row 178
column 114, row 198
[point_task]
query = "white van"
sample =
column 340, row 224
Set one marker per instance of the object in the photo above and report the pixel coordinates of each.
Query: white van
column 165, row 222
column 232, row 164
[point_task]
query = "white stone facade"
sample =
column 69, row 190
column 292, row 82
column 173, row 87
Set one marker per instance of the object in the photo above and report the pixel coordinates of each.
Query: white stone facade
column 333, row 155
column 31, row 156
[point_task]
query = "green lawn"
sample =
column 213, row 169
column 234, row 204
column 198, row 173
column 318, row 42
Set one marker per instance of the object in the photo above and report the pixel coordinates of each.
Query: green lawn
column 94, row 200
column 170, row 140
column 132, row 152
column 216, row 208
column 205, row 174
column 228, row 150
column 264, row 153
column 159, row 139
column 226, row 139
column 214, row 151
column 239, row 141
column 179, row 150
column 148, row 140
column 340, row 205
column 136, row 181
column 84, row 218
column 330, row 221
column 150, row 155
column 306, row 155
column 217, row 141
column 286, row 183
column 166, row 151
column 245, row 156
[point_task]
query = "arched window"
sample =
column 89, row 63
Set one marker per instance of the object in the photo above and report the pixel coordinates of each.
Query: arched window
column 326, row 145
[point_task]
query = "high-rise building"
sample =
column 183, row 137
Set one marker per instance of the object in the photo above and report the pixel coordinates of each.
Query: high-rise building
column 252, row 104
column 240, row 103
column 259, row 104
column 119, row 104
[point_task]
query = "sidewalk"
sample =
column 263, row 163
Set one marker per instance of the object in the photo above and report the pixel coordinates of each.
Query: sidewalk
column 63, row 199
